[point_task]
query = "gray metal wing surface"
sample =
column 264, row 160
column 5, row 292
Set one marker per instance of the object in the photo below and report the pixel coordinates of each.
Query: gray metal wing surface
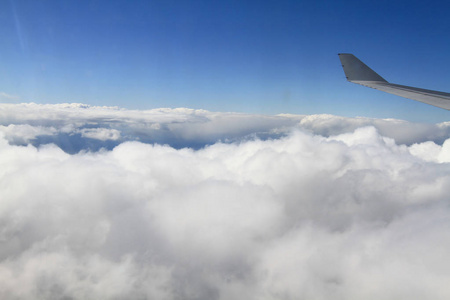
column 358, row 72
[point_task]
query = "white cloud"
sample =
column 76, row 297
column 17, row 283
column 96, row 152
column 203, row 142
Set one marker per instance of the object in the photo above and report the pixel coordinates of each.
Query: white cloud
column 6, row 96
column 68, row 125
column 330, row 208
column 24, row 133
column 102, row 134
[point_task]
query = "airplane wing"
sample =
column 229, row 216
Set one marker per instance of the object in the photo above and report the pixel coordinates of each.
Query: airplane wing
column 358, row 72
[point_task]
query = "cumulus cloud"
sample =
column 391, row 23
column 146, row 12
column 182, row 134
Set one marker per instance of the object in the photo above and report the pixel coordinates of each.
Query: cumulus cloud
column 25, row 133
column 270, row 207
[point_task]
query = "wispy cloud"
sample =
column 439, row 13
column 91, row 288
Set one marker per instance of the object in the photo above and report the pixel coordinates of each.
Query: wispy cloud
column 6, row 96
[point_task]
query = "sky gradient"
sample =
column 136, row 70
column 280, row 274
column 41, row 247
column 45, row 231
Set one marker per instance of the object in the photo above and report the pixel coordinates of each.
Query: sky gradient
column 265, row 57
column 207, row 150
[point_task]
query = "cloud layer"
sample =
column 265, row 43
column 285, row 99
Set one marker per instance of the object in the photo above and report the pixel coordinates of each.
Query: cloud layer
column 76, row 127
column 265, row 207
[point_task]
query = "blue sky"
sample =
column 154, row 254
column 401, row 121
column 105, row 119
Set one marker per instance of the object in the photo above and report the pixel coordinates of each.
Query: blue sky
column 245, row 56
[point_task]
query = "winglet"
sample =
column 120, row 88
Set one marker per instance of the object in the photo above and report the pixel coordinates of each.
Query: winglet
column 356, row 71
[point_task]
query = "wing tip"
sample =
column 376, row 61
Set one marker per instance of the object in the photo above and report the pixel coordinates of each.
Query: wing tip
column 356, row 70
